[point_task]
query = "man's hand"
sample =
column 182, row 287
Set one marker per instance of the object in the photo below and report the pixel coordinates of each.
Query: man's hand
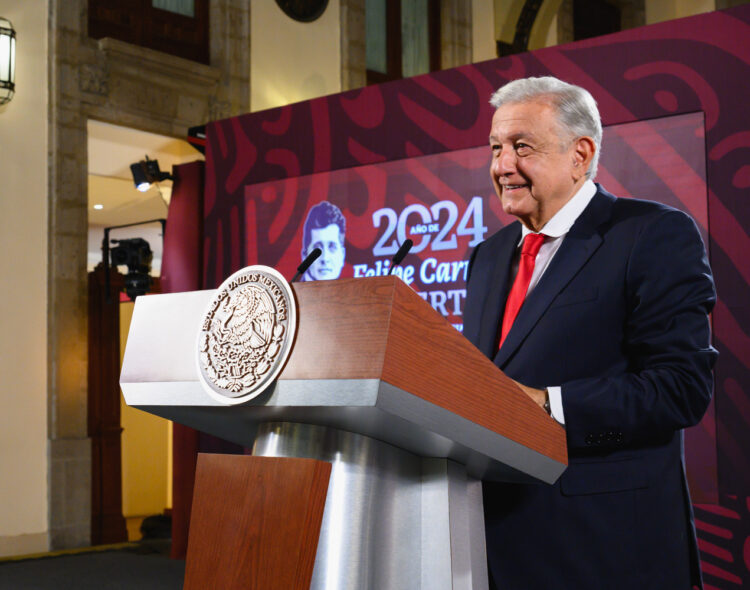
column 538, row 395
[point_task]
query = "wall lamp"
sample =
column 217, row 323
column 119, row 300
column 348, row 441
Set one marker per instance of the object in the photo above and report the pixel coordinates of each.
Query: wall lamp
column 147, row 172
column 7, row 61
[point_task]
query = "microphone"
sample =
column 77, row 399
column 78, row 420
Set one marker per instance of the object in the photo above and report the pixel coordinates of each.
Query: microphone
column 307, row 262
column 400, row 255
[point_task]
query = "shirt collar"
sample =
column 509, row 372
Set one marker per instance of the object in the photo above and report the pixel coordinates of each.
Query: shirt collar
column 563, row 220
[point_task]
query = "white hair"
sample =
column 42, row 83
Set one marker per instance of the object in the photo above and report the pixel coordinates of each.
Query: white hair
column 576, row 108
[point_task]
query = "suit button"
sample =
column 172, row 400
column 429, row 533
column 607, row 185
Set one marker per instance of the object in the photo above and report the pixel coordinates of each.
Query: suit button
column 589, row 440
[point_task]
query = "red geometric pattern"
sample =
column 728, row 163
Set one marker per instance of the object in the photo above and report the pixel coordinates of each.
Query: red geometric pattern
column 724, row 542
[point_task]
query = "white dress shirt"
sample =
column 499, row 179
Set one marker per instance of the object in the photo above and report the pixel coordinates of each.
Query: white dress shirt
column 556, row 229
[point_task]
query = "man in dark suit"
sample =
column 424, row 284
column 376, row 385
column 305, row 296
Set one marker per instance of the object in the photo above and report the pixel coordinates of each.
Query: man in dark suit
column 603, row 321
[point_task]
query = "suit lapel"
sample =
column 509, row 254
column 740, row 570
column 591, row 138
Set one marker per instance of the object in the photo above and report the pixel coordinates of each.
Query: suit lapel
column 498, row 291
column 578, row 246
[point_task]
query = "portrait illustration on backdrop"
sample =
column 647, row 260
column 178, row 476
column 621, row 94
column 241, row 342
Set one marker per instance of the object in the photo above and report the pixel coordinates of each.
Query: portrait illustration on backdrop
column 325, row 228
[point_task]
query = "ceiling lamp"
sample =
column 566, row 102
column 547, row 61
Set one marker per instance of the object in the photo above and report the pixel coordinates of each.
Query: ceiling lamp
column 7, row 61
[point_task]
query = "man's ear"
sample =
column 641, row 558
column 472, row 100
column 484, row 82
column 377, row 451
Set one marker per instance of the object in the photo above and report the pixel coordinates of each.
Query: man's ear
column 583, row 152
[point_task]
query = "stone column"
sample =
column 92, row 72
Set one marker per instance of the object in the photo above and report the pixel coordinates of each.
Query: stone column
column 455, row 33
column 230, row 54
column 69, row 446
column 111, row 81
column 353, row 45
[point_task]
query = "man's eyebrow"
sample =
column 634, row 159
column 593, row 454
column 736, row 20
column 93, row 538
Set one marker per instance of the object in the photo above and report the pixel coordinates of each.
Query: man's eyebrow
column 521, row 135
column 514, row 136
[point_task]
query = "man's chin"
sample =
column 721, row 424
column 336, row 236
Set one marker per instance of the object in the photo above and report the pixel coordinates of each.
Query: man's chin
column 518, row 207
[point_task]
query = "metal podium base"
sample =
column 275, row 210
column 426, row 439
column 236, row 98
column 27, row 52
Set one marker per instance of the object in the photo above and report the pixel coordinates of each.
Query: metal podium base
column 392, row 520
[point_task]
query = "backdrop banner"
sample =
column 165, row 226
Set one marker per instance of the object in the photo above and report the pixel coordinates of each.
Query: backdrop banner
column 446, row 205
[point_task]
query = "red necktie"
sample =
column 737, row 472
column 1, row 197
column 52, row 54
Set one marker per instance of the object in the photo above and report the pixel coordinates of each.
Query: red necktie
column 531, row 245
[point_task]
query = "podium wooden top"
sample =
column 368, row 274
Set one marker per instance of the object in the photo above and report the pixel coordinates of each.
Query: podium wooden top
column 381, row 329
column 370, row 356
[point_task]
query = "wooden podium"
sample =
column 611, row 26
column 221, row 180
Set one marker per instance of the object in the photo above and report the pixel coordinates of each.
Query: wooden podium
column 379, row 390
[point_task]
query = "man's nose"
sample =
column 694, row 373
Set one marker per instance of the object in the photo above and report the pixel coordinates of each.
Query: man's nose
column 504, row 162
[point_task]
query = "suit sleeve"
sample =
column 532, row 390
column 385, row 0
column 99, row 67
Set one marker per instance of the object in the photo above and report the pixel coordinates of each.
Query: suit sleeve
column 668, row 381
